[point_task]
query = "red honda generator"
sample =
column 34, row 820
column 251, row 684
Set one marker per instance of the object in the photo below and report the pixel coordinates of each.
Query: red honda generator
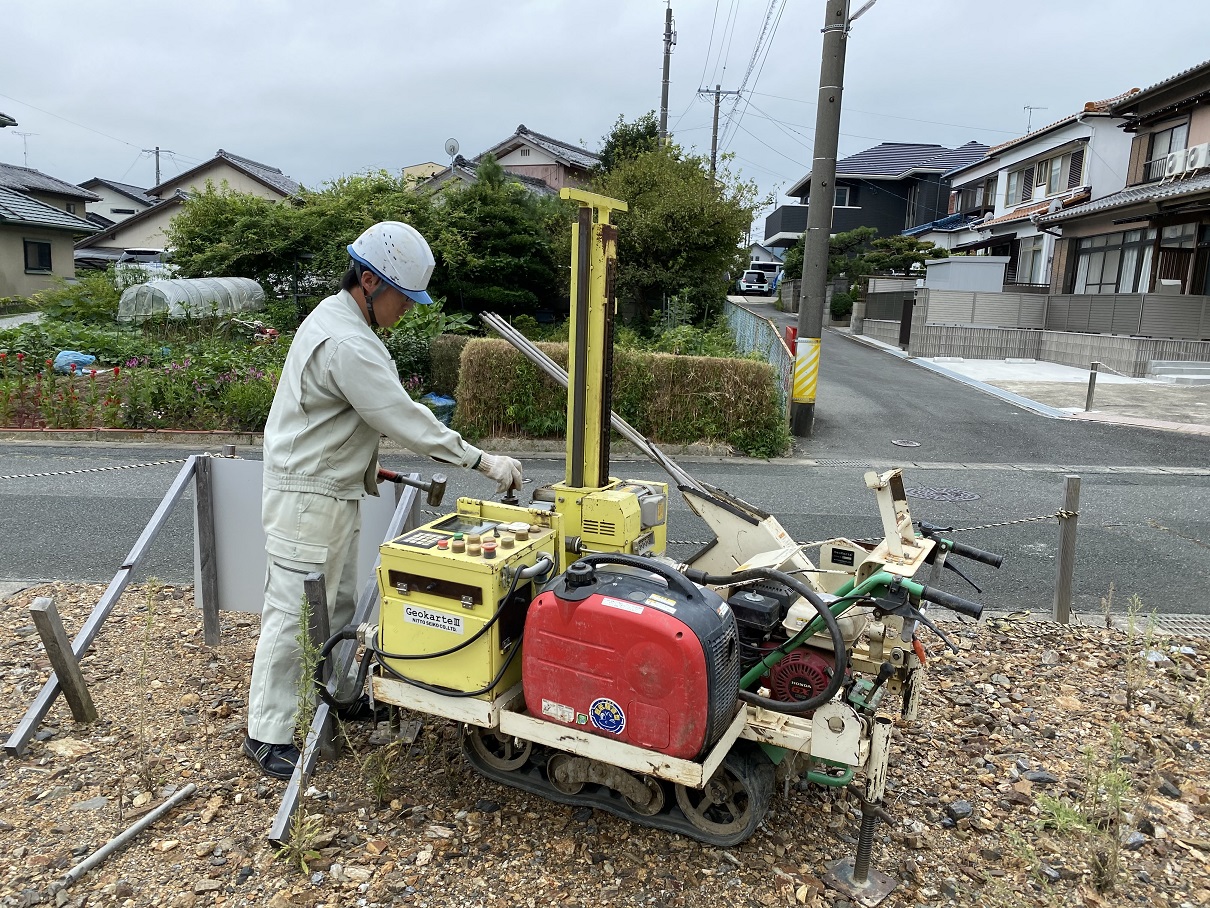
column 628, row 649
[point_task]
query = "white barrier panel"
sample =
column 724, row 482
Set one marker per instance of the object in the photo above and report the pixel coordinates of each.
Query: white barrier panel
column 240, row 538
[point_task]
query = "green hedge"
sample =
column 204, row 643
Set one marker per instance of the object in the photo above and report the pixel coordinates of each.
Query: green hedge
column 670, row 399
column 445, row 353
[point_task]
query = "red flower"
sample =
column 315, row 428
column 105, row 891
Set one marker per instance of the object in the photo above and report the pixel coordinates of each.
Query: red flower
column 72, row 368
column 117, row 371
column 20, row 356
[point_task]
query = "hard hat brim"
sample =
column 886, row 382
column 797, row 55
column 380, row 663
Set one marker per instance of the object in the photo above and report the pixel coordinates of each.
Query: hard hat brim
column 416, row 296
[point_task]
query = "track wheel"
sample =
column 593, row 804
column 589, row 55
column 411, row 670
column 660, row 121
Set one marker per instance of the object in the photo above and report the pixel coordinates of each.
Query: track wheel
column 735, row 799
column 557, row 773
column 655, row 805
column 503, row 752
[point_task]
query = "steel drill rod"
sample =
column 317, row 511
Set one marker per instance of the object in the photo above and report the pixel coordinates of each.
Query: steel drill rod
column 555, row 371
column 126, row 835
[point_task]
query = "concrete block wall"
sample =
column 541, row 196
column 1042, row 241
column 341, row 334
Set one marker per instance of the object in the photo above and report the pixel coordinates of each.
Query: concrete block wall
column 880, row 330
column 975, row 343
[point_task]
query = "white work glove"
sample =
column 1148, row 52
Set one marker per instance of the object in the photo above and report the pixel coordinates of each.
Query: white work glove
column 505, row 470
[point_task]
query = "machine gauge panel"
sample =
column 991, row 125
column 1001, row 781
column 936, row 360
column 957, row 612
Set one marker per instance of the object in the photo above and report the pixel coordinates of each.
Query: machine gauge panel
column 466, row 525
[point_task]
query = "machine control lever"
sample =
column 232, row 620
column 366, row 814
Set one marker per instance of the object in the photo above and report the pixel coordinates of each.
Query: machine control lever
column 933, row 531
column 435, row 487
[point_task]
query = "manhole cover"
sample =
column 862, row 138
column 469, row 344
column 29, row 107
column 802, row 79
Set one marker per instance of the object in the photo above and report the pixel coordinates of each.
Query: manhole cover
column 904, row 443
column 933, row 494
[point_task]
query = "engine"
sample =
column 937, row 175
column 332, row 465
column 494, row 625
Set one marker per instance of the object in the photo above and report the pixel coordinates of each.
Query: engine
column 760, row 616
column 626, row 648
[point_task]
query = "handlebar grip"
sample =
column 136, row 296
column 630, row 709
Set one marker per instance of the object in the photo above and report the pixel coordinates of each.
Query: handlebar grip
column 954, row 603
column 974, row 554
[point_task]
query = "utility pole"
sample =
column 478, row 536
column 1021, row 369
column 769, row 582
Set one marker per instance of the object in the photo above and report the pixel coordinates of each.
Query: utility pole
column 156, row 151
column 718, row 93
column 25, row 143
column 819, row 217
column 669, row 43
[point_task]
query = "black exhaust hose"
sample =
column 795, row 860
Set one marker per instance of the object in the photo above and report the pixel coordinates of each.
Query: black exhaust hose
column 348, row 632
column 796, row 707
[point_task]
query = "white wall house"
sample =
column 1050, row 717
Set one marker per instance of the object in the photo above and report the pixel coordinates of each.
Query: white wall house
column 998, row 199
column 117, row 202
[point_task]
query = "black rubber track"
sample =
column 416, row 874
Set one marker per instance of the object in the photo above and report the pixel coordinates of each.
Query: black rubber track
column 745, row 760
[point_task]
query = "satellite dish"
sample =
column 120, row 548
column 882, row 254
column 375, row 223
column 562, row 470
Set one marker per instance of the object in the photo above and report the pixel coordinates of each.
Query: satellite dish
column 451, row 147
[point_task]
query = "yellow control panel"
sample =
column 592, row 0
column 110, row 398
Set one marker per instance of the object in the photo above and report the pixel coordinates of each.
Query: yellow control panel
column 446, row 600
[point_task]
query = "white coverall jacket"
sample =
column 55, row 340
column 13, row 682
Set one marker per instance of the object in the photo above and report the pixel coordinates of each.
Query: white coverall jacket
column 339, row 392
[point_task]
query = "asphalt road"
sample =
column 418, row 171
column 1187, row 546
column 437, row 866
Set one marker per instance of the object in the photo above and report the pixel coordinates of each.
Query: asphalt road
column 1144, row 525
column 1141, row 529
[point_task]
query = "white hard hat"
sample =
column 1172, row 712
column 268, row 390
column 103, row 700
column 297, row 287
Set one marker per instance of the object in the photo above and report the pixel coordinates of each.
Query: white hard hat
column 399, row 255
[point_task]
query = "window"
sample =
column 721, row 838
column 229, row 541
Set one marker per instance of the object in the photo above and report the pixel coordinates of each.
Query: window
column 1060, row 173
column 1029, row 261
column 842, row 197
column 37, row 256
column 1114, row 262
column 1168, row 140
column 524, row 152
column 1020, row 186
column 70, row 207
column 121, row 211
column 913, row 201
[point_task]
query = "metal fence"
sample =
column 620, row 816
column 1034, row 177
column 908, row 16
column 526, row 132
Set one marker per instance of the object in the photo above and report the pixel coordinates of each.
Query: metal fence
column 753, row 333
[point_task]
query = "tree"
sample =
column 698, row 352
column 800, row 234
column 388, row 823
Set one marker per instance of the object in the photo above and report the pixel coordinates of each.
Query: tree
column 680, row 238
column 223, row 233
column 845, row 254
column 496, row 245
column 902, row 254
column 629, row 140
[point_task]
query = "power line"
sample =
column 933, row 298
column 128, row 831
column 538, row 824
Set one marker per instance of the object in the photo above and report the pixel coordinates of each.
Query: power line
column 756, row 52
column 871, row 113
column 724, row 56
column 770, row 147
column 709, row 45
column 136, row 160
column 72, row 122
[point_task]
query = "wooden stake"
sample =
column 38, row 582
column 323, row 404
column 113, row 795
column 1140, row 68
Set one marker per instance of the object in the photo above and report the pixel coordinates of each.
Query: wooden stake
column 62, row 659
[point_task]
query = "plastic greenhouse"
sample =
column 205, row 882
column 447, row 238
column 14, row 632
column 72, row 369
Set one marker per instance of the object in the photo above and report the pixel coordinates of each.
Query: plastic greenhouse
column 205, row 297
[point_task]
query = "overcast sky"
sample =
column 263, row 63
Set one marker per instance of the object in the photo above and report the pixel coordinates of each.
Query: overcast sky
column 321, row 88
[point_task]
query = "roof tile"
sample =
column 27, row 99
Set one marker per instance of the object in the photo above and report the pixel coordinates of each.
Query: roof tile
column 26, row 179
column 21, row 209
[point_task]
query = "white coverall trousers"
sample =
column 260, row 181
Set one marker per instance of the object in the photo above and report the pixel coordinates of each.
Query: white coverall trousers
column 305, row 533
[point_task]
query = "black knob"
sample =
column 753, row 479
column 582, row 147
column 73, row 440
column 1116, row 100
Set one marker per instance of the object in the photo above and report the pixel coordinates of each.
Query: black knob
column 580, row 574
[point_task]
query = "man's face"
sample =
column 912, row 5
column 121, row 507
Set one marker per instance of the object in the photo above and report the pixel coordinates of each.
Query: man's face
column 389, row 303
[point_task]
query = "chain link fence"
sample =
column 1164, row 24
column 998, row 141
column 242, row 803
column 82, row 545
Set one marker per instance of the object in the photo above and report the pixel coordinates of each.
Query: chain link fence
column 754, row 333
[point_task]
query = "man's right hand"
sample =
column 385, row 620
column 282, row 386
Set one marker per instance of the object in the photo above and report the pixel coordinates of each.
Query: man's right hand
column 504, row 470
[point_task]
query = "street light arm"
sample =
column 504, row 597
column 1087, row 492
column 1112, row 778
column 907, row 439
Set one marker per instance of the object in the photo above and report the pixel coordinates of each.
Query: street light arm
column 857, row 15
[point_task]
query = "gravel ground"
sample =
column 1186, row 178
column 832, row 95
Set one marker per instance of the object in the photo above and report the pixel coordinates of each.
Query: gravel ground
column 1051, row 766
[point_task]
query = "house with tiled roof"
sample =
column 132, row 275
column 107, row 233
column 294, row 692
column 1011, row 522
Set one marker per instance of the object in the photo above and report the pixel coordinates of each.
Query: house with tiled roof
column 1000, row 197
column 146, row 228
column 891, row 187
column 40, row 218
column 1145, row 249
column 535, row 159
column 117, row 201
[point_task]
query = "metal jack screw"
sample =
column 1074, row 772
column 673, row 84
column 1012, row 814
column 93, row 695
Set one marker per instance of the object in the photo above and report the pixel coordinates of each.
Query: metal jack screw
column 853, row 876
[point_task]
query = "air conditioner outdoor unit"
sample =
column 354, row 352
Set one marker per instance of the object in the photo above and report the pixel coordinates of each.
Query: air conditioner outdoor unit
column 1197, row 157
column 1174, row 166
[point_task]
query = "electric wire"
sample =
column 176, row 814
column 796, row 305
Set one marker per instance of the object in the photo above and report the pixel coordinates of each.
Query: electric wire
column 1010, row 132
column 772, row 33
column 72, row 122
column 709, row 45
column 732, row 18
